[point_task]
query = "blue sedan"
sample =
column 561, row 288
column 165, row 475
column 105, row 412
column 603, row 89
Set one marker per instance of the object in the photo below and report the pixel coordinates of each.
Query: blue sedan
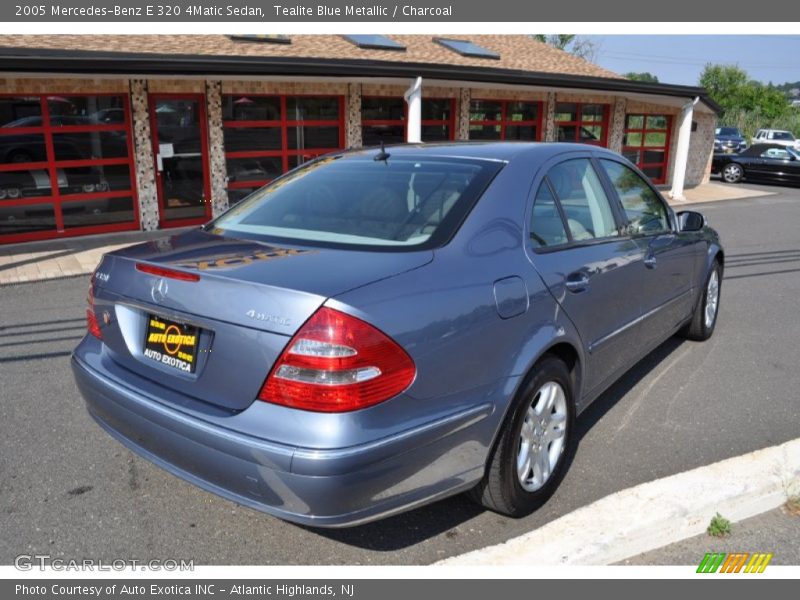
column 382, row 328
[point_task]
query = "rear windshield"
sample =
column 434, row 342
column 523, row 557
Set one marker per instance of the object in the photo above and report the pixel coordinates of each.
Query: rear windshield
column 397, row 203
column 782, row 135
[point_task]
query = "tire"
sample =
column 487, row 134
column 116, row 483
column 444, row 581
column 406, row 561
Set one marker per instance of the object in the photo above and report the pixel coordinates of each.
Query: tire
column 700, row 328
column 19, row 157
column 501, row 489
column 732, row 173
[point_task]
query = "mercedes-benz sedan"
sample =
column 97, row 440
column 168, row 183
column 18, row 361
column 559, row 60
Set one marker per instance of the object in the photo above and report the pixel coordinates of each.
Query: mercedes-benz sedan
column 379, row 329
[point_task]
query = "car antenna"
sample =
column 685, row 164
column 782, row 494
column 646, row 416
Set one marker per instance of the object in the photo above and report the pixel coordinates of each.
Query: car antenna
column 382, row 155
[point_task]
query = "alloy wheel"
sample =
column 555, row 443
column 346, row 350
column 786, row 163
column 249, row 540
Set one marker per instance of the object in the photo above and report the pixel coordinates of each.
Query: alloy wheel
column 541, row 440
column 712, row 299
column 732, row 173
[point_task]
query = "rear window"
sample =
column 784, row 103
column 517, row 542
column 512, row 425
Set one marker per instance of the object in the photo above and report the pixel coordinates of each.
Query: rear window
column 782, row 135
column 398, row 203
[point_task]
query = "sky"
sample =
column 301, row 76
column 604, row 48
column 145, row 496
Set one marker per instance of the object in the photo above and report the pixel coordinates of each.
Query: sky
column 680, row 59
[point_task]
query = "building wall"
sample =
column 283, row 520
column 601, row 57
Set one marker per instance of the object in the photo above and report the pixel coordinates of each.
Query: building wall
column 143, row 155
column 701, row 149
column 139, row 90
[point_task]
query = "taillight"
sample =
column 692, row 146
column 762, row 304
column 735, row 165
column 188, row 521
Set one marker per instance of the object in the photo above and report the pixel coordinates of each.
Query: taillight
column 168, row 273
column 91, row 318
column 338, row 363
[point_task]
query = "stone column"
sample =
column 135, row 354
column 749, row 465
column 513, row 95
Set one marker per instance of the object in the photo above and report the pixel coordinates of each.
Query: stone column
column 143, row 156
column 550, row 118
column 617, row 125
column 462, row 116
column 216, row 148
column 353, row 120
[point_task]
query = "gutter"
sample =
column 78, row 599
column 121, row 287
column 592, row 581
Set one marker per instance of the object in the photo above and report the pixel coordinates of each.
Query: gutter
column 38, row 60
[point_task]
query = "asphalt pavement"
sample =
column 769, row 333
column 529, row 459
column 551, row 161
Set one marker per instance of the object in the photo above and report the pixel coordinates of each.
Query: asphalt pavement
column 775, row 532
column 68, row 490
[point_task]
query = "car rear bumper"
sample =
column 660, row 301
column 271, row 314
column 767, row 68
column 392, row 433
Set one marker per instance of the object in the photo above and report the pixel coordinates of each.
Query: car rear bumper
column 323, row 488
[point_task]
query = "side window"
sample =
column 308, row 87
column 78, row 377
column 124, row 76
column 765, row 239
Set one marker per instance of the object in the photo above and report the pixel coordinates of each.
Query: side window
column 547, row 228
column 776, row 153
column 583, row 200
column 642, row 206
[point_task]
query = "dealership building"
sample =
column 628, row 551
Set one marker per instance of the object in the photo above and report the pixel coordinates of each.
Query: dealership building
column 105, row 133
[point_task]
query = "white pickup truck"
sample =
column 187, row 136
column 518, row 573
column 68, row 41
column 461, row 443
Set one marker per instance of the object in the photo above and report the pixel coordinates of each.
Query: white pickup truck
column 776, row 136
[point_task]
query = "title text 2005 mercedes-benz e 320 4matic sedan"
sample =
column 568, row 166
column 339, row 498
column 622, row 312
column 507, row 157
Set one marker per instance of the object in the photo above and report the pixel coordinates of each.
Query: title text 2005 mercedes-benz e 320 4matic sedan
column 379, row 329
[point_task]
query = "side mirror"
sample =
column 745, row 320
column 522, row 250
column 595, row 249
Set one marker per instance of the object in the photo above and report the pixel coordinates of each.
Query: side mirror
column 689, row 220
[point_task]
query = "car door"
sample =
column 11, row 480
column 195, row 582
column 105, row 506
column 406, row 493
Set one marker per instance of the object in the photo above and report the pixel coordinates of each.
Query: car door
column 665, row 276
column 590, row 268
column 778, row 164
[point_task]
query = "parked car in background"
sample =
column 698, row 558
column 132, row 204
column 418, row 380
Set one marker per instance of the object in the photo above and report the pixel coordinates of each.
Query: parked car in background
column 382, row 328
column 33, row 183
column 776, row 136
column 767, row 162
column 729, row 139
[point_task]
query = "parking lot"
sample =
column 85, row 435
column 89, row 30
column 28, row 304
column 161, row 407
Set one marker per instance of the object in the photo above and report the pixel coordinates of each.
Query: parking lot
column 68, row 490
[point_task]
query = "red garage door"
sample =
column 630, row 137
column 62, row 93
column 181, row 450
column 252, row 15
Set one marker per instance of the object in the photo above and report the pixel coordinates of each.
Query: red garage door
column 646, row 144
column 66, row 166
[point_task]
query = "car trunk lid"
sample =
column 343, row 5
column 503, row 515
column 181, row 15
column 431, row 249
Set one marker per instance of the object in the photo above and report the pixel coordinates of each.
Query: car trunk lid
column 245, row 301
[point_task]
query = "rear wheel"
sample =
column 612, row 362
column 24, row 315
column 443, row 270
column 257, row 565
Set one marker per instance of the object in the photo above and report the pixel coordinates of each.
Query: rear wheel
column 704, row 320
column 528, row 460
column 732, row 173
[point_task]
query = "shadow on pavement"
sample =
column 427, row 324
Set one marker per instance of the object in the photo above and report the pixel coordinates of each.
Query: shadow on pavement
column 418, row 525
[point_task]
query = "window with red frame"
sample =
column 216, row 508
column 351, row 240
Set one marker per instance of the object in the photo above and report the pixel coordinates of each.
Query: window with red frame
column 646, row 144
column 582, row 123
column 66, row 166
column 505, row 120
column 383, row 119
column 265, row 136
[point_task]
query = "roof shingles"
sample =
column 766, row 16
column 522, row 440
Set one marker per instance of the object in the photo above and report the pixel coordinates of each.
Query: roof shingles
column 517, row 52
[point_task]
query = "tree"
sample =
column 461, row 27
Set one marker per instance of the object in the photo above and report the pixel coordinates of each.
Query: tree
column 734, row 91
column 573, row 44
column 644, row 76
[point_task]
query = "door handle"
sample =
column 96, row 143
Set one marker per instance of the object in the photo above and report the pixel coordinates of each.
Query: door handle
column 577, row 282
column 650, row 261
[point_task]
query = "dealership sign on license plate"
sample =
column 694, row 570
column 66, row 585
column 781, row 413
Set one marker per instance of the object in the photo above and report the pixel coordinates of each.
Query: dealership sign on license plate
column 172, row 344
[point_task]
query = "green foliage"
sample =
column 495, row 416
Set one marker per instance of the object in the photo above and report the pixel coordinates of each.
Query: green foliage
column 643, row 76
column 790, row 88
column 747, row 104
column 719, row 526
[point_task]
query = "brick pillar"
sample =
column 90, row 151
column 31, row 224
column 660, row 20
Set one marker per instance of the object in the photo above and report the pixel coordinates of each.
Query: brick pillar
column 617, row 125
column 216, row 148
column 462, row 114
column 143, row 156
column 353, row 116
column 550, row 118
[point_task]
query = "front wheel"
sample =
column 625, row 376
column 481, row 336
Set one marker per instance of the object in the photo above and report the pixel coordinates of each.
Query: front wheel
column 529, row 458
column 732, row 173
column 704, row 320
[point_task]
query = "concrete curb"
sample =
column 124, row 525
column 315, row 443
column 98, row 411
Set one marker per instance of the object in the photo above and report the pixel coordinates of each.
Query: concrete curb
column 654, row 514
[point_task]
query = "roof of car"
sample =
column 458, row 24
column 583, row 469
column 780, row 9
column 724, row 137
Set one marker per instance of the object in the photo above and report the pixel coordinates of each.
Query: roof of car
column 755, row 148
column 504, row 151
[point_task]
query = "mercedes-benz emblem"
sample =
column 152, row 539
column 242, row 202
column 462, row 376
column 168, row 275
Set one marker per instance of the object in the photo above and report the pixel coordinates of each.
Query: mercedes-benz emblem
column 159, row 291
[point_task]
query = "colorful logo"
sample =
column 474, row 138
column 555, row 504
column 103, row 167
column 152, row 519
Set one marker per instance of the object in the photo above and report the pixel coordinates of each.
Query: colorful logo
column 744, row 562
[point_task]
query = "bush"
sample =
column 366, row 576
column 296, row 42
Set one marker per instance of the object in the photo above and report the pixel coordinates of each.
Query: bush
column 749, row 121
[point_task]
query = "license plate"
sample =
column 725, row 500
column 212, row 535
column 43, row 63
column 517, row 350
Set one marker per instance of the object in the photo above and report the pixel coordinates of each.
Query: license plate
column 171, row 344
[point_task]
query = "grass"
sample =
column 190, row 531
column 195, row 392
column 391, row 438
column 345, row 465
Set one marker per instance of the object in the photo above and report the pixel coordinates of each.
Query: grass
column 719, row 526
column 792, row 505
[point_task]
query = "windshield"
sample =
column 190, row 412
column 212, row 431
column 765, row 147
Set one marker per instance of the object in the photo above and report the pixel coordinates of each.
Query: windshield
column 732, row 131
column 357, row 201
